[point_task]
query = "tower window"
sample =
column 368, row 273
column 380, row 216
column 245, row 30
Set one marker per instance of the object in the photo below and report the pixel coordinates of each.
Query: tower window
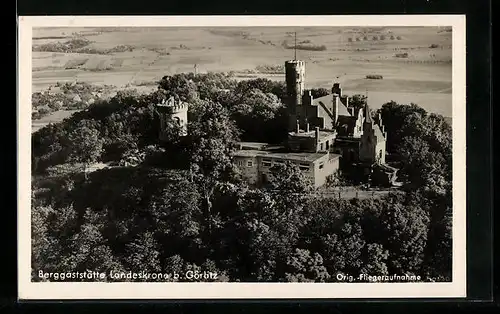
column 249, row 163
column 304, row 166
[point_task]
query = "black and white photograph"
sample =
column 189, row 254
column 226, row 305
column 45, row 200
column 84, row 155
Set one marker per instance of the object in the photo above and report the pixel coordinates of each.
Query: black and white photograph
column 314, row 157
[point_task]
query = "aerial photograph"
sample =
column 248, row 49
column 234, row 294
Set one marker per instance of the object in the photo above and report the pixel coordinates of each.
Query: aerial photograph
column 241, row 154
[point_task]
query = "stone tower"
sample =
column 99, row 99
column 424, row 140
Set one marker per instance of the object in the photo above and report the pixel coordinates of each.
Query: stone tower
column 172, row 111
column 295, row 71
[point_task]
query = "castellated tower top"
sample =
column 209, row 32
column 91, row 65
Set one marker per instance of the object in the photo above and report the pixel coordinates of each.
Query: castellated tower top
column 171, row 105
column 298, row 62
column 172, row 110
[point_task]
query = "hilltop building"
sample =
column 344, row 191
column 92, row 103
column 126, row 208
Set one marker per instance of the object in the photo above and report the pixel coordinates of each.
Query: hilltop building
column 324, row 135
column 255, row 161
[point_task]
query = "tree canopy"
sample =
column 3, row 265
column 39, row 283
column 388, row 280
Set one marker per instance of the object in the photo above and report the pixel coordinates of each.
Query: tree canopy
column 181, row 206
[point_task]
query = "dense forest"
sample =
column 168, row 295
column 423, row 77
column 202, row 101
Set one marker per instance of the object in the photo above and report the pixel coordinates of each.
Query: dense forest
column 182, row 206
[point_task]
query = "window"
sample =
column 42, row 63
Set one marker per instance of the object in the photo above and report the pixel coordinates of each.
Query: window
column 321, row 165
column 266, row 162
column 303, row 166
column 249, row 163
column 321, row 146
column 327, row 145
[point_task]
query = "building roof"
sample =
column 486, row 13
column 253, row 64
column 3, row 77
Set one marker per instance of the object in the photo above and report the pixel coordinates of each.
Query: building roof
column 334, row 156
column 346, row 124
column 312, row 134
column 281, row 154
column 342, row 110
column 252, row 145
column 368, row 114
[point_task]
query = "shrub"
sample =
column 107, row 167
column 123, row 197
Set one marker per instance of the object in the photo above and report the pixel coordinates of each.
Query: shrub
column 120, row 48
column 55, row 105
column 374, row 77
column 398, row 37
column 69, row 46
column 375, row 38
column 270, row 69
column 434, row 46
column 349, row 39
column 358, row 39
column 44, row 111
column 401, row 55
column 382, row 37
column 392, row 37
column 36, row 116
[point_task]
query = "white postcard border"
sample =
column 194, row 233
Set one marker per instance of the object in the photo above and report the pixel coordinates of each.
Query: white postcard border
column 28, row 290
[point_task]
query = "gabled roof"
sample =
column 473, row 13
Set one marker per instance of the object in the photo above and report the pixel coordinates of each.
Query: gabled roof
column 378, row 133
column 328, row 99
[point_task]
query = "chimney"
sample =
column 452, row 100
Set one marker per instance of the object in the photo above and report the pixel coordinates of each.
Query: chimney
column 316, row 134
column 335, row 109
column 307, row 99
column 336, row 89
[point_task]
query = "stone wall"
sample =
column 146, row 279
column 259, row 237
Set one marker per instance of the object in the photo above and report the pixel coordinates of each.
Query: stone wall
column 323, row 168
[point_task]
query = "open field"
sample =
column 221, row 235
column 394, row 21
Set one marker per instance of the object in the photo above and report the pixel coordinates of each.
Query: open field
column 415, row 62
